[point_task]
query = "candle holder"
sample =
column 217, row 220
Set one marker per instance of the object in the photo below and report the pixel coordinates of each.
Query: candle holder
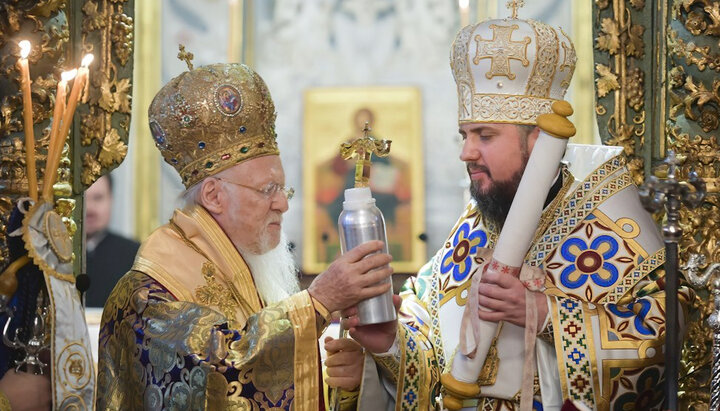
column 37, row 342
column 710, row 278
column 671, row 194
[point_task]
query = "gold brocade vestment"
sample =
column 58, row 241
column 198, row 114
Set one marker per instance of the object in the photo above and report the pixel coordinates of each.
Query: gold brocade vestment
column 602, row 341
column 185, row 329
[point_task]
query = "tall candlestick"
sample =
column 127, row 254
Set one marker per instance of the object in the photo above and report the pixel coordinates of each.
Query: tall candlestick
column 56, row 145
column 57, row 119
column 28, row 120
column 464, row 6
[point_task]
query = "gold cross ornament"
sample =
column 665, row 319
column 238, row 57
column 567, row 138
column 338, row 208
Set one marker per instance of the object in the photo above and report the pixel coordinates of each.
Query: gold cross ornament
column 363, row 148
column 186, row 56
column 515, row 5
column 501, row 49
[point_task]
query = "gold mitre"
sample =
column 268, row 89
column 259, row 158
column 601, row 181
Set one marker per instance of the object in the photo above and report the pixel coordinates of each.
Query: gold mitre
column 211, row 118
column 510, row 70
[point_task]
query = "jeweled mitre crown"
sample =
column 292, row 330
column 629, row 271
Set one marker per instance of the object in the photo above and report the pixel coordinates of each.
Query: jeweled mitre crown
column 211, row 118
column 510, row 70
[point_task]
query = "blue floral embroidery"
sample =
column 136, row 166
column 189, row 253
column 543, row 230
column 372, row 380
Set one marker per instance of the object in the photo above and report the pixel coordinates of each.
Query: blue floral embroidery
column 630, row 311
column 569, row 304
column 464, row 246
column 410, row 397
column 576, row 356
column 589, row 261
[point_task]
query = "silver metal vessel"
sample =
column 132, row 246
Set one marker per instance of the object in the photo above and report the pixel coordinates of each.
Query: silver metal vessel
column 361, row 221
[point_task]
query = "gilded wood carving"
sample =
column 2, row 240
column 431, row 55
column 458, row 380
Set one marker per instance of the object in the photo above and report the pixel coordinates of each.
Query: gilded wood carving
column 622, row 67
column 674, row 45
column 60, row 33
column 692, row 124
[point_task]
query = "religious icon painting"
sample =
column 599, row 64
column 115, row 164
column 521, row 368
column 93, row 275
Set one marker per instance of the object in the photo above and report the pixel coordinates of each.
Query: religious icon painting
column 333, row 116
column 228, row 100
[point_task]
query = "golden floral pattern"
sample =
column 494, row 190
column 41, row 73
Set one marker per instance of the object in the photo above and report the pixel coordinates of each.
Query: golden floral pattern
column 216, row 294
column 107, row 27
column 548, row 54
column 692, row 124
column 622, row 44
column 160, row 353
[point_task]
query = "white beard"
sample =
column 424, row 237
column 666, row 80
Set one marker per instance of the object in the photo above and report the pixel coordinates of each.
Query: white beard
column 274, row 272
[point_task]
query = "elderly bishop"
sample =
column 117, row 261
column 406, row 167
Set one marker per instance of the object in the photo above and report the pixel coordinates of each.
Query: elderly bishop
column 211, row 315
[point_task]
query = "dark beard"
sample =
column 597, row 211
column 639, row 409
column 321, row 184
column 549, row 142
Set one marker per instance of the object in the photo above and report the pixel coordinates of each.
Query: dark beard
column 495, row 203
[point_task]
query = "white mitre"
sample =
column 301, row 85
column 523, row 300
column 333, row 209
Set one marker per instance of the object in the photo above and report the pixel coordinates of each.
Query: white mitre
column 510, row 70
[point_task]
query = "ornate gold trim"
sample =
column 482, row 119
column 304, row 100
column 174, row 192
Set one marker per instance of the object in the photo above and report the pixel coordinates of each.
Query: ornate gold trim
column 620, row 65
column 38, row 259
column 239, row 277
column 503, row 108
column 104, row 122
column 159, row 274
column 306, row 361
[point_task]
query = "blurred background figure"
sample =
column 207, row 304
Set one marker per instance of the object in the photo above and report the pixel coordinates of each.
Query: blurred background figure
column 109, row 255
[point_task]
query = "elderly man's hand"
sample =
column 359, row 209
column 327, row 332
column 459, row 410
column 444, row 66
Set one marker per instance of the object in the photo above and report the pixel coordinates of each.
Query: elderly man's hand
column 344, row 363
column 26, row 391
column 504, row 294
column 354, row 277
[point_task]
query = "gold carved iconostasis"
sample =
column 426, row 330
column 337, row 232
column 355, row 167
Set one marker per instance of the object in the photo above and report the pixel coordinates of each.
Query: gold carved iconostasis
column 657, row 89
column 60, row 33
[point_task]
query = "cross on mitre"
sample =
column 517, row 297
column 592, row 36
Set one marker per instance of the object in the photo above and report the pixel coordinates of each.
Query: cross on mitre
column 515, row 5
column 501, row 49
column 185, row 56
column 363, row 148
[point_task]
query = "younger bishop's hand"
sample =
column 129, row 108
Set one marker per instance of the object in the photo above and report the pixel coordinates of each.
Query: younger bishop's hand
column 505, row 296
column 376, row 338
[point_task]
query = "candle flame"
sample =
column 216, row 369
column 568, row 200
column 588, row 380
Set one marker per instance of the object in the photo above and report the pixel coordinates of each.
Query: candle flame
column 68, row 75
column 464, row 4
column 87, row 60
column 24, row 48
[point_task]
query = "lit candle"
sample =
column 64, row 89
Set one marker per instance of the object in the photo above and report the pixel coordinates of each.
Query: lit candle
column 464, row 12
column 53, row 151
column 28, row 119
column 56, row 145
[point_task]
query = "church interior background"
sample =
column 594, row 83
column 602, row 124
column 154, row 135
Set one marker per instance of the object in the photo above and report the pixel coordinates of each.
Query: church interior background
column 645, row 80
column 301, row 46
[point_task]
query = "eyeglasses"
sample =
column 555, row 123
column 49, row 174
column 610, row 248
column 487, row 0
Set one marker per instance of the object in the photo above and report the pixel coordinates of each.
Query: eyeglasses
column 268, row 192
